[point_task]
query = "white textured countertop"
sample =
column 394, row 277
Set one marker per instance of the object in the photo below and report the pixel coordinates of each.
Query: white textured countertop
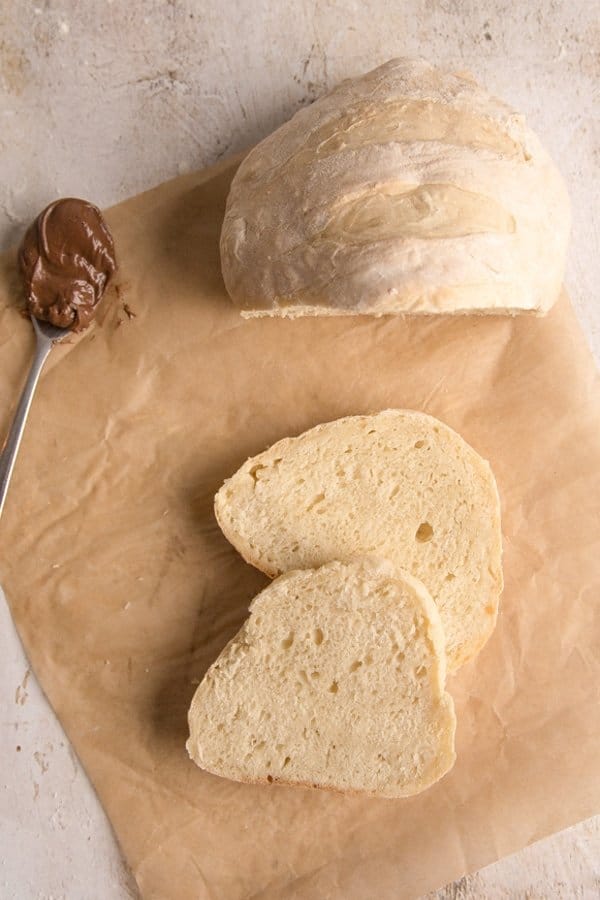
column 104, row 99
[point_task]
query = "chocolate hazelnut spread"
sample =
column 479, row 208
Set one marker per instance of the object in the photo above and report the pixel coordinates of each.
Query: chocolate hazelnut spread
column 67, row 258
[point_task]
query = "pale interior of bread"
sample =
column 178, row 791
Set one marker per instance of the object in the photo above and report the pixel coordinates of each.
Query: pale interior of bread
column 400, row 485
column 336, row 681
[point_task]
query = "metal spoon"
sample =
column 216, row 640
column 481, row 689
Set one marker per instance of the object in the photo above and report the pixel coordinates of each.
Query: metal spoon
column 46, row 336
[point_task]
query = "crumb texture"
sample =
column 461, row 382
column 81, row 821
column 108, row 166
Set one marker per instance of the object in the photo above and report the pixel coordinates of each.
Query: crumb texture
column 336, row 680
column 400, row 485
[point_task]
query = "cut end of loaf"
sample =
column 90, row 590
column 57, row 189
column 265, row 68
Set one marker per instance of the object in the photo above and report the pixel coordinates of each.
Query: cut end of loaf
column 280, row 311
column 335, row 681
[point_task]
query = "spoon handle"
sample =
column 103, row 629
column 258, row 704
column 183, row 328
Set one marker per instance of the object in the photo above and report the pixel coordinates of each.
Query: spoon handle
column 10, row 449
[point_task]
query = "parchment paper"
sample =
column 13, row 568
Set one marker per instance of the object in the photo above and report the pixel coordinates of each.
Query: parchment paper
column 124, row 590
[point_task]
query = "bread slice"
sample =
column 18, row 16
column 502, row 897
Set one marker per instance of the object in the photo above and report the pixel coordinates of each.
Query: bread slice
column 399, row 485
column 336, row 681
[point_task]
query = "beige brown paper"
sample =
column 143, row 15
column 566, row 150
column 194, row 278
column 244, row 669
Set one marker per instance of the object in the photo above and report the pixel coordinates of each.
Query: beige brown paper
column 124, row 589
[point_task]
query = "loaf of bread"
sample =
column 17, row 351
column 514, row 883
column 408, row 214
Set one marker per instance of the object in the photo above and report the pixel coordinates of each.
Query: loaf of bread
column 336, row 681
column 407, row 190
column 400, row 485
